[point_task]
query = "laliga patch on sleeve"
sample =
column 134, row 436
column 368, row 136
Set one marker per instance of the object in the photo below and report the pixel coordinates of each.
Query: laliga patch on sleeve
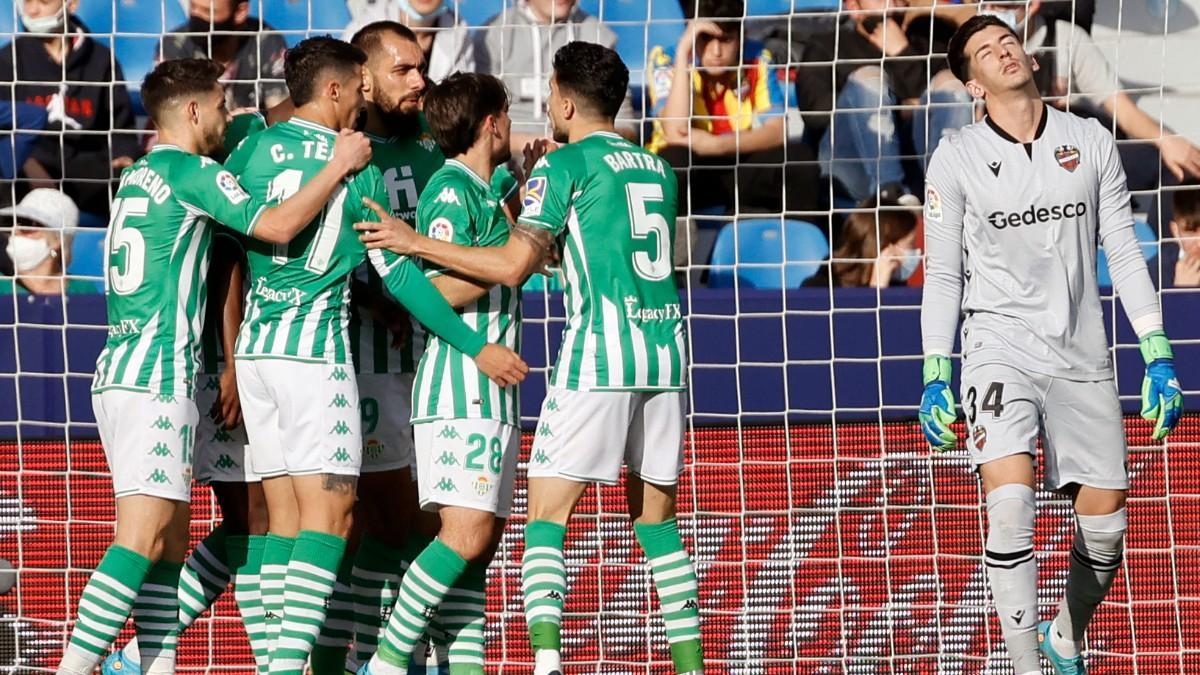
column 441, row 229
column 933, row 203
column 535, row 192
column 232, row 189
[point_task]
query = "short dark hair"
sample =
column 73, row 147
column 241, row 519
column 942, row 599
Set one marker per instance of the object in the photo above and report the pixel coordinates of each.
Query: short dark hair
column 594, row 75
column 457, row 106
column 171, row 80
column 370, row 37
column 1185, row 207
column 304, row 64
column 960, row 61
column 727, row 14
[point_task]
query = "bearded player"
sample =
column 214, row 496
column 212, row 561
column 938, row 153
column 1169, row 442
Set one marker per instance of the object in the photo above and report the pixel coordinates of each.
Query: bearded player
column 1015, row 206
column 618, row 388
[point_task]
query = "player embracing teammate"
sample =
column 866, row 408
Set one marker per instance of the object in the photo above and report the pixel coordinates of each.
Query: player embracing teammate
column 1014, row 208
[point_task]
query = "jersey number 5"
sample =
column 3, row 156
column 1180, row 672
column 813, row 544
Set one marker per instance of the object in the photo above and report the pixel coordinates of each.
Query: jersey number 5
column 644, row 224
column 126, row 277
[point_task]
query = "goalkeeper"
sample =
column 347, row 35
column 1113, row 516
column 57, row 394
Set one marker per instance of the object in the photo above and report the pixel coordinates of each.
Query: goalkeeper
column 1014, row 208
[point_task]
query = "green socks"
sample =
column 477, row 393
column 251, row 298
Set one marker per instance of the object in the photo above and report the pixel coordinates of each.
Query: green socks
column 156, row 618
column 426, row 583
column 246, row 560
column 678, row 594
column 373, row 583
column 277, row 552
column 104, row 607
column 307, row 589
column 329, row 653
column 462, row 616
column 204, row 576
column 544, row 582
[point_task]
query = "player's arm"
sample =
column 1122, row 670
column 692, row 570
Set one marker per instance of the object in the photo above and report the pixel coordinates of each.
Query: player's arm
column 1162, row 397
column 225, row 291
column 941, row 297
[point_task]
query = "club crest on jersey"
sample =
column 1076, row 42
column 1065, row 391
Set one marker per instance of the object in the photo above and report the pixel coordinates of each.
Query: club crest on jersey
column 1067, row 156
column 232, row 189
column 535, row 192
column 441, row 229
column 426, row 141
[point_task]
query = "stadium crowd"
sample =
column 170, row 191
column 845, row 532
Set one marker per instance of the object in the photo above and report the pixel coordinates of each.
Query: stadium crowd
column 816, row 121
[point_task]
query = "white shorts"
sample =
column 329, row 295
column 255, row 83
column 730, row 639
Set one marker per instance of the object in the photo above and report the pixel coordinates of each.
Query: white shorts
column 467, row 462
column 385, row 400
column 586, row 435
column 301, row 418
column 148, row 441
column 1080, row 424
column 220, row 453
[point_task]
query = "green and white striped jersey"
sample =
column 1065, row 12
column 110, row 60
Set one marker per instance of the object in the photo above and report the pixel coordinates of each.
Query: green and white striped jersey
column 297, row 305
column 406, row 164
column 157, row 253
column 614, row 205
column 460, row 207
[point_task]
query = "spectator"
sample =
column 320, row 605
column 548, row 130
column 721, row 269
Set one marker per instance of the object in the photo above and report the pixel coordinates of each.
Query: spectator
column 878, row 59
column 445, row 40
column 723, row 127
column 37, row 245
column 518, row 44
column 1072, row 70
column 56, row 66
column 224, row 31
column 878, row 248
column 1185, row 233
column 16, row 147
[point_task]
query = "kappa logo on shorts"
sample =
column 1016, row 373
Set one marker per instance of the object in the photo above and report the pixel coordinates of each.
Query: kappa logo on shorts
column 341, row 456
column 341, row 428
column 210, row 384
column 158, row 476
column 449, row 432
column 540, row 457
column 163, row 423
column 225, row 462
column 160, row 449
column 445, row 485
column 979, row 435
column 339, row 401
column 1067, row 157
column 338, row 375
column 551, row 405
column 447, row 458
column 544, row 430
column 164, row 398
column 222, row 436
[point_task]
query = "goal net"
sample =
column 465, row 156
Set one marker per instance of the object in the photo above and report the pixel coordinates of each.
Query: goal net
column 826, row 537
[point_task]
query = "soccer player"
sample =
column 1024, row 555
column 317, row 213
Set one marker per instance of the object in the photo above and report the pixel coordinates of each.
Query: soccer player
column 618, row 388
column 467, row 439
column 294, row 370
column 1015, row 206
column 143, row 390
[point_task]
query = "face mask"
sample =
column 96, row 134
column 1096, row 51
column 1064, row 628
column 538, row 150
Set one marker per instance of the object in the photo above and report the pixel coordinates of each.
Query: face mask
column 43, row 24
column 1008, row 16
column 27, row 252
column 408, row 9
column 908, row 265
column 198, row 25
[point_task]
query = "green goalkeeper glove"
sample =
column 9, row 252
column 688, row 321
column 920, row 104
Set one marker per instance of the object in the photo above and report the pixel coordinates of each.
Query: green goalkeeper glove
column 937, row 411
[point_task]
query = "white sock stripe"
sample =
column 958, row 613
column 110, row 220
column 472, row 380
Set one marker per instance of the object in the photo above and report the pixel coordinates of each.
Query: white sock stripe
column 295, row 611
column 667, row 575
column 290, row 629
column 87, row 603
column 416, row 592
column 213, row 580
column 668, row 559
column 675, row 589
column 542, row 568
column 552, row 579
column 402, row 633
column 423, row 577
column 554, row 613
column 465, row 658
column 299, row 585
column 208, row 559
column 465, row 606
column 690, row 622
column 83, row 636
column 544, row 551
column 464, row 593
column 470, row 632
column 287, row 665
column 117, row 587
column 311, row 570
column 156, row 601
column 171, row 615
column 162, row 590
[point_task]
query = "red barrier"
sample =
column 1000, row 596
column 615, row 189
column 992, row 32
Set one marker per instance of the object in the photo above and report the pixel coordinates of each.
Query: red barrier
column 820, row 549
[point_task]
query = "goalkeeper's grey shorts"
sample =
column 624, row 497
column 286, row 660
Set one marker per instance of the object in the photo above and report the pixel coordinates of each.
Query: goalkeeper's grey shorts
column 1079, row 422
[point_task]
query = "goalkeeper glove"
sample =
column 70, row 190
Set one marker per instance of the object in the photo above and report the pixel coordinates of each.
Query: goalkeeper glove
column 937, row 404
column 1162, row 398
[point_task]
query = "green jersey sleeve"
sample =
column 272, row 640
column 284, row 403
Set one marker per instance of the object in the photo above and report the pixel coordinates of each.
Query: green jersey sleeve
column 209, row 188
column 548, row 194
column 404, row 280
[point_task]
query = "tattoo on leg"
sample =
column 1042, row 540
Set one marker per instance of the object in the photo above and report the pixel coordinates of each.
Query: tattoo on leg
column 343, row 485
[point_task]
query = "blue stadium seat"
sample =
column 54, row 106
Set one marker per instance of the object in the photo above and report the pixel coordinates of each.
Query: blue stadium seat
column 87, row 254
column 770, row 7
column 477, row 12
column 753, row 250
column 1145, row 236
column 635, row 37
column 292, row 16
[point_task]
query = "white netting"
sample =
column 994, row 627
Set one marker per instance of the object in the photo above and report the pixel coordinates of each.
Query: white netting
column 826, row 539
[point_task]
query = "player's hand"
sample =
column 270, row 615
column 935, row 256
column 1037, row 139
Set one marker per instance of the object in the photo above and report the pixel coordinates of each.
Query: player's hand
column 351, row 150
column 937, row 404
column 501, row 364
column 1162, row 398
column 227, row 408
column 1180, row 156
column 533, row 151
column 389, row 233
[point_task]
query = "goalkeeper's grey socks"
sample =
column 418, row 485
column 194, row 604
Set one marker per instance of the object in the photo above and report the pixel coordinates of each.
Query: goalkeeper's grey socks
column 1012, row 571
column 1095, row 558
